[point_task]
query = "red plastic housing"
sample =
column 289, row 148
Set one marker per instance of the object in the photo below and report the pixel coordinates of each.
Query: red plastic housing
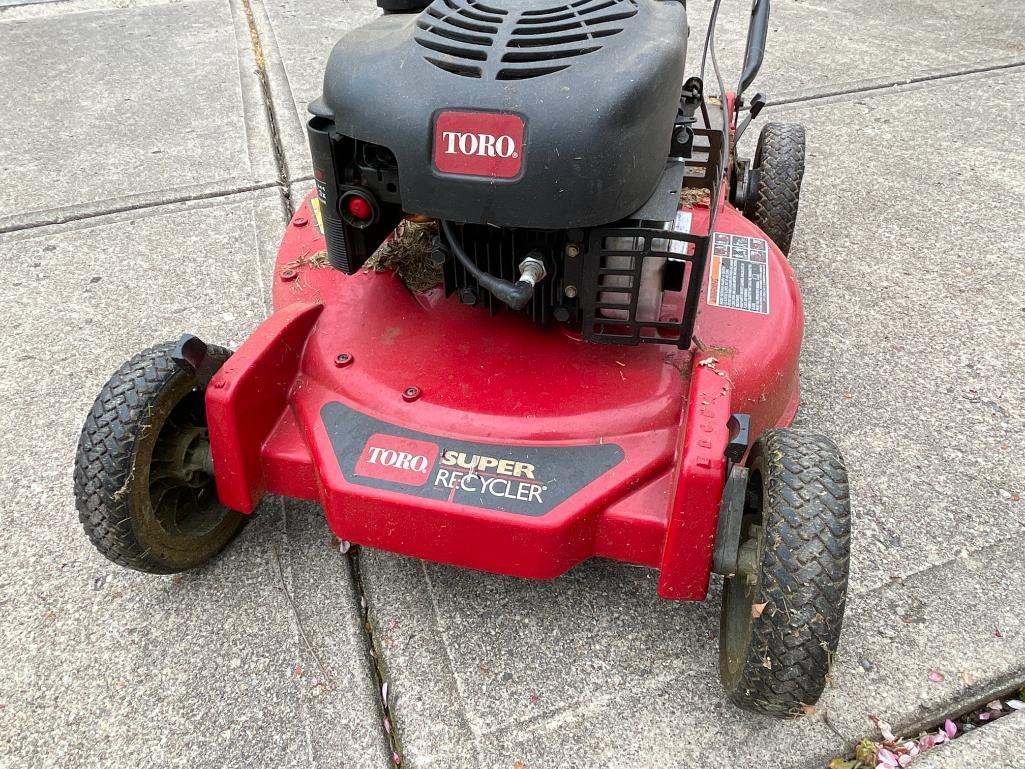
column 425, row 427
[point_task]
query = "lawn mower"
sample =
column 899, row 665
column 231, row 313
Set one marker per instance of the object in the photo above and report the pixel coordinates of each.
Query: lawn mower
column 536, row 310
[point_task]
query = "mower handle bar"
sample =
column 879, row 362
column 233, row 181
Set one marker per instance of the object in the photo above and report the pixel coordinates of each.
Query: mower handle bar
column 757, row 30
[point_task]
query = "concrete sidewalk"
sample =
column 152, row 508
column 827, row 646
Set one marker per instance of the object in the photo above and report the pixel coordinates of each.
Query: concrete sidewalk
column 148, row 176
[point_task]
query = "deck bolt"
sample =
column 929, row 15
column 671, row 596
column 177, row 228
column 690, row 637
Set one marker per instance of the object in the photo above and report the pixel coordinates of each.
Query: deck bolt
column 299, row 221
column 572, row 250
column 344, row 359
column 289, row 274
column 410, row 394
column 570, row 291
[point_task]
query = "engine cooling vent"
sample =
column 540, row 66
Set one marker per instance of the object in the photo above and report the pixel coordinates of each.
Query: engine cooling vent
column 484, row 40
column 498, row 252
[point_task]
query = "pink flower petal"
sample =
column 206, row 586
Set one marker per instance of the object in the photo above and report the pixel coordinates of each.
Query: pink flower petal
column 884, row 729
column 886, row 759
column 984, row 715
column 950, row 728
column 936, row 677
column 927, row 741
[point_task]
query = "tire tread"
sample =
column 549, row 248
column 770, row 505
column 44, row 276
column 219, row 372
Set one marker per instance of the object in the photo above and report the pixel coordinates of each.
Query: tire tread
column 780, row 160
column 104, row 461
column 804, row 575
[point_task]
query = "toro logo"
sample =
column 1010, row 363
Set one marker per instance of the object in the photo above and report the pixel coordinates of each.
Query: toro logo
column 399, row 460
column 479, row 144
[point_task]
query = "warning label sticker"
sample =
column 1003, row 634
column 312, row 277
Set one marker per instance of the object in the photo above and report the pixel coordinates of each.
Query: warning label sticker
column 317, row 217
column 738, row 275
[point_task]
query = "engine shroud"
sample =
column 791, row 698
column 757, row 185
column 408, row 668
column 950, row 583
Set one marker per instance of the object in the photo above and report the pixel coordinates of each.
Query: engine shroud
column 508, row 112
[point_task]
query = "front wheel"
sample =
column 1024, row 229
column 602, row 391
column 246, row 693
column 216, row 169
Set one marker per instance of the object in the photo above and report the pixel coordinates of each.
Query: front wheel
column 783, row 608
column 144, row 484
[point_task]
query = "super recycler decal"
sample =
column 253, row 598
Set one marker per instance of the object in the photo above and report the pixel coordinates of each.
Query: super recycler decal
column 526, row 480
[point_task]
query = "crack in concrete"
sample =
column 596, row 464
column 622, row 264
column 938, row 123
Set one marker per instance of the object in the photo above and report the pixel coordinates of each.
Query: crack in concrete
column 388, row 727
column 887, row 85
column 1003, row 688
column 268, row 104
column 58, row 219
column 374, row 655
column 903, row 579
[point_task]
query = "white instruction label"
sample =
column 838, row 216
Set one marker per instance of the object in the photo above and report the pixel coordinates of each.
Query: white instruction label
column 738, row 275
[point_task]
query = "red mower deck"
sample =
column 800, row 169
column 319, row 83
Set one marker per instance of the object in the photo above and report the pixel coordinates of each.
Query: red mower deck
column 421, row 429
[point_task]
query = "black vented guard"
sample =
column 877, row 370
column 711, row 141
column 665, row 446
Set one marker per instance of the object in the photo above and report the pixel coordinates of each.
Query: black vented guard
column 687, row 253
column 475, row 39
column 614, row 318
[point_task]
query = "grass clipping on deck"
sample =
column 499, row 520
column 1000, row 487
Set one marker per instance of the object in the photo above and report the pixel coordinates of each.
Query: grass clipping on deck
column 408, row 254
column 692, row 196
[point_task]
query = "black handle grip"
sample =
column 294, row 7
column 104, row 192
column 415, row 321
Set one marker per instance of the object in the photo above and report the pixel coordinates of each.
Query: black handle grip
column 757, row 31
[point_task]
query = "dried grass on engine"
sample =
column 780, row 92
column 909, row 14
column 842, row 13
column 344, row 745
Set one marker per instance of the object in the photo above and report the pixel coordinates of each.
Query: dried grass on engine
column 408, row 254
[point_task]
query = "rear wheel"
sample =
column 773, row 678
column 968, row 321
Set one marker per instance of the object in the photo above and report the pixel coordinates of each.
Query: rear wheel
column 783, row 609
column 144, row 484
column 779, row 163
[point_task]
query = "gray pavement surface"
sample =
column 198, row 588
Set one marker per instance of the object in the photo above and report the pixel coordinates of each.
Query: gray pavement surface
column 111, row 107
column 106, row 667
column 143, row 196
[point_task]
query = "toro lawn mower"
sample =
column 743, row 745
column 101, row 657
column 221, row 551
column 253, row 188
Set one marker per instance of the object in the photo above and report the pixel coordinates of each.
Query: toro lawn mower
column 536, row 311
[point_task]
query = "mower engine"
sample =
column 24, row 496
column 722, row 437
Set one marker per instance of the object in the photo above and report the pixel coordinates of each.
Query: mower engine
column 578, row 105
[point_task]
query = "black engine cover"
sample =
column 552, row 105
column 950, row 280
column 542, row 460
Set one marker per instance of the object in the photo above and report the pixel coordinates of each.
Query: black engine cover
column 514, row 113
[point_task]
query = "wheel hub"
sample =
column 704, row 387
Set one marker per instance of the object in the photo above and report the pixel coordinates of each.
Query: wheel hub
column 749, row 556
column 181, row 479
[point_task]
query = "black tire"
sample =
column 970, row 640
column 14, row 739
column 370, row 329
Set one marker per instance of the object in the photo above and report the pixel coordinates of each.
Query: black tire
column 779, row 161
column 777, row 663
column 144, row 498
